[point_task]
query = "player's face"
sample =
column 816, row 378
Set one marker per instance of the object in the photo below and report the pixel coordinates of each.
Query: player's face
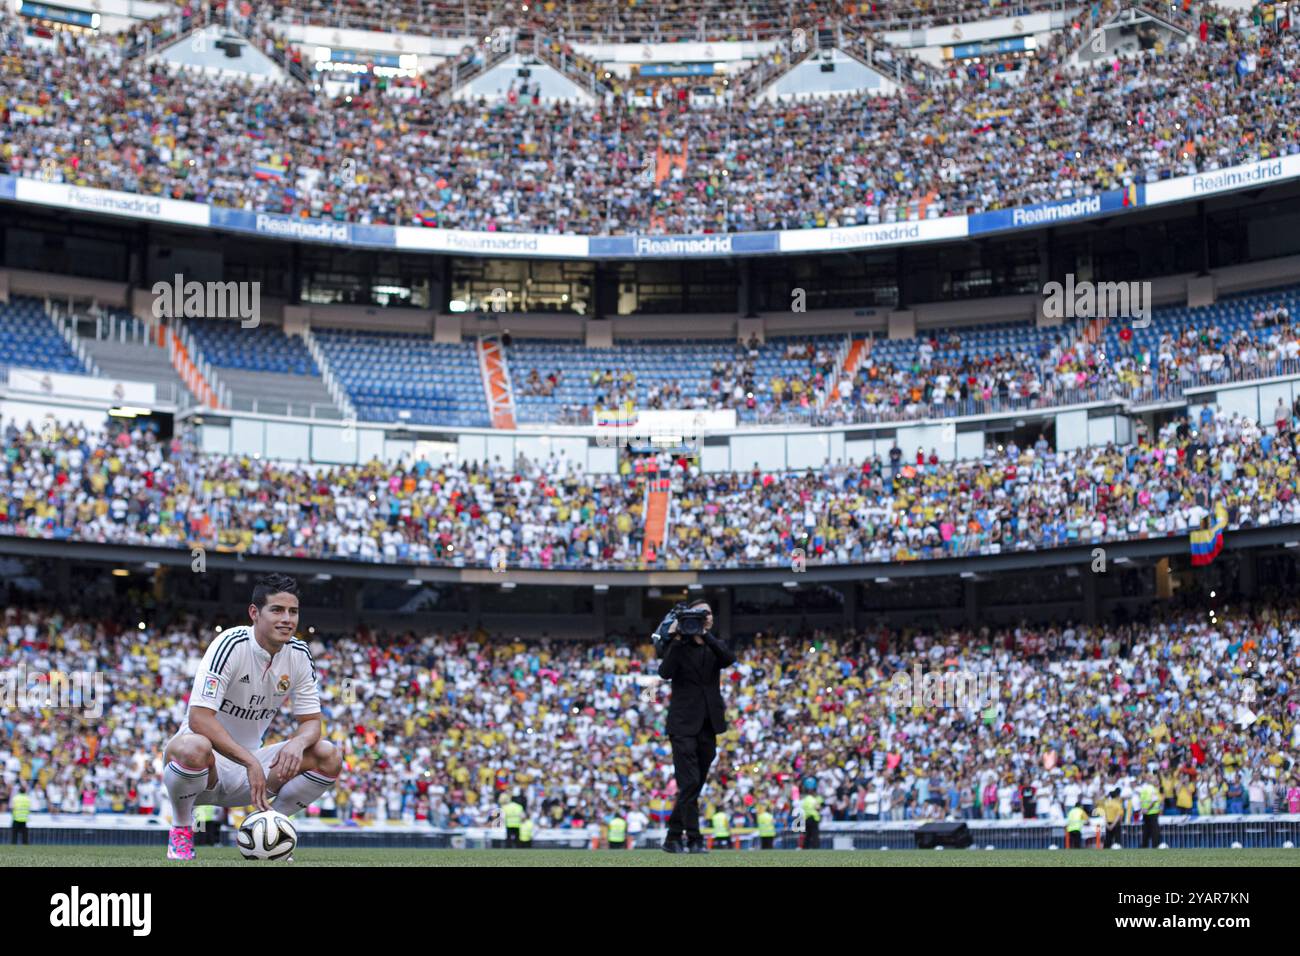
column 278, row 620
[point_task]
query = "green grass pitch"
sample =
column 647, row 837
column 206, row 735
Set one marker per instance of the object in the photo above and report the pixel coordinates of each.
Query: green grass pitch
column 86, row 856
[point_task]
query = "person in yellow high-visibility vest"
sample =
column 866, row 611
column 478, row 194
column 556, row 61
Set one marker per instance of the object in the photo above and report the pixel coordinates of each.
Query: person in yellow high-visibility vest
column 766, row 828
column 1074, row 821
column 1150, row 802
column 721, row 831
column 617, row 838
column 526, row 833
column 513, row 814
column 812, row 817
column 22, row 811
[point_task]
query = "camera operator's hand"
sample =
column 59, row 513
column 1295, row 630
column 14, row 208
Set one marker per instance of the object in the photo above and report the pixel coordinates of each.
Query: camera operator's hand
column 672, row 629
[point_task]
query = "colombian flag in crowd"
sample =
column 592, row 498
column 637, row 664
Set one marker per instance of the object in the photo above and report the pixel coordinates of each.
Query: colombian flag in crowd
column 273, row 168
column 1206, row 543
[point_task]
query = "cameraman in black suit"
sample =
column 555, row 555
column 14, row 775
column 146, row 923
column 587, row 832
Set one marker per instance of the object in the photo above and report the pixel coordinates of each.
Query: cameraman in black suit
column 694, row 663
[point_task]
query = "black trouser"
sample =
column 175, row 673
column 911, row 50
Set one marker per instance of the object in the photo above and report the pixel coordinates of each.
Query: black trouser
column 1074, row 839
column 1112, row 834
column 512, row 836
column 212, row 833
column 812, row 837
column 1151, row 830
column 766, row 842
column 19, row 829
column 618, row 844
column 692, row 757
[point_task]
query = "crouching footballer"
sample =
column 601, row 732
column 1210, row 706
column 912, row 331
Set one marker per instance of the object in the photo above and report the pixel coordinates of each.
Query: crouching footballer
column 217, row 756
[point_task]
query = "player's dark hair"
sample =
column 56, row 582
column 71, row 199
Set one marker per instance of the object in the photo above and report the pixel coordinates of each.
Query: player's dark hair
column 273, row 584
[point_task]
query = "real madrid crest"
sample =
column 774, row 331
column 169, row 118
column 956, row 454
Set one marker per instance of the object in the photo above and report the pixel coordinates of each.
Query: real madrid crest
column 283, row 685
column 956, row 33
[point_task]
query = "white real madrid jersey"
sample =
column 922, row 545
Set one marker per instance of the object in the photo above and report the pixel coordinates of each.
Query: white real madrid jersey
column 246, row 686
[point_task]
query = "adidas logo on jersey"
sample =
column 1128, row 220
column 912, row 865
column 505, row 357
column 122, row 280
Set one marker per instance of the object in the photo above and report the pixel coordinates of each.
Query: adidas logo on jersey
column 244, row 679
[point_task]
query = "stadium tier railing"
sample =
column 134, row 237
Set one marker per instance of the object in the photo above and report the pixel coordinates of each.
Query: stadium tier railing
column 271, row 406
column 1254, row 831
column 700, row 31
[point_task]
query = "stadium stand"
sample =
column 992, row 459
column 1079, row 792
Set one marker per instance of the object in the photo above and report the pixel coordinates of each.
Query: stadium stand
column 263, row 367
column 949, row 149
column 28, row 339
column 661, row 374
column 968, row 370
column 1239, row 337
column 446, row 688
column 401, row 377
column 122, row 348
column 552, row 515
column 443, row 723
column 264, row 348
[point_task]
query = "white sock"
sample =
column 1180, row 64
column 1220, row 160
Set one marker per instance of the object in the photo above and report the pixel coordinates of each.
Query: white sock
column 183, row 786
column 302, row 791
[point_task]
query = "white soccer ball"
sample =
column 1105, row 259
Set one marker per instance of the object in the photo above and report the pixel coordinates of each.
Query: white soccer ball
column 1053, row 847
column 989, row 847
column 1116, row 846
column 266, row 835
column 938, row 848
column 1163, row 846
column 1236, row 845
column 1288, row 845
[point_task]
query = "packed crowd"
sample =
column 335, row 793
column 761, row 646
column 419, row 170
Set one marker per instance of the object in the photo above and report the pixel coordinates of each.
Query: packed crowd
column 81, row 115
column 71, row 483
column 436, row 728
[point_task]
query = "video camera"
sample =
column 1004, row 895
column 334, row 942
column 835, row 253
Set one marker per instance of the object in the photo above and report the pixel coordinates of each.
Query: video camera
column 690, row 623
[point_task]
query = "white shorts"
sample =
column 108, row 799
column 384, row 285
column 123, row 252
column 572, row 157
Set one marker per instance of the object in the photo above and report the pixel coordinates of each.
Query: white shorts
column 232, row 779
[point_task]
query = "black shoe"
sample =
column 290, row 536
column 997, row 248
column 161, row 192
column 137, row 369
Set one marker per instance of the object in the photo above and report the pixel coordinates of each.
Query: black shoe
column 697, row 846
column 673, row 846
